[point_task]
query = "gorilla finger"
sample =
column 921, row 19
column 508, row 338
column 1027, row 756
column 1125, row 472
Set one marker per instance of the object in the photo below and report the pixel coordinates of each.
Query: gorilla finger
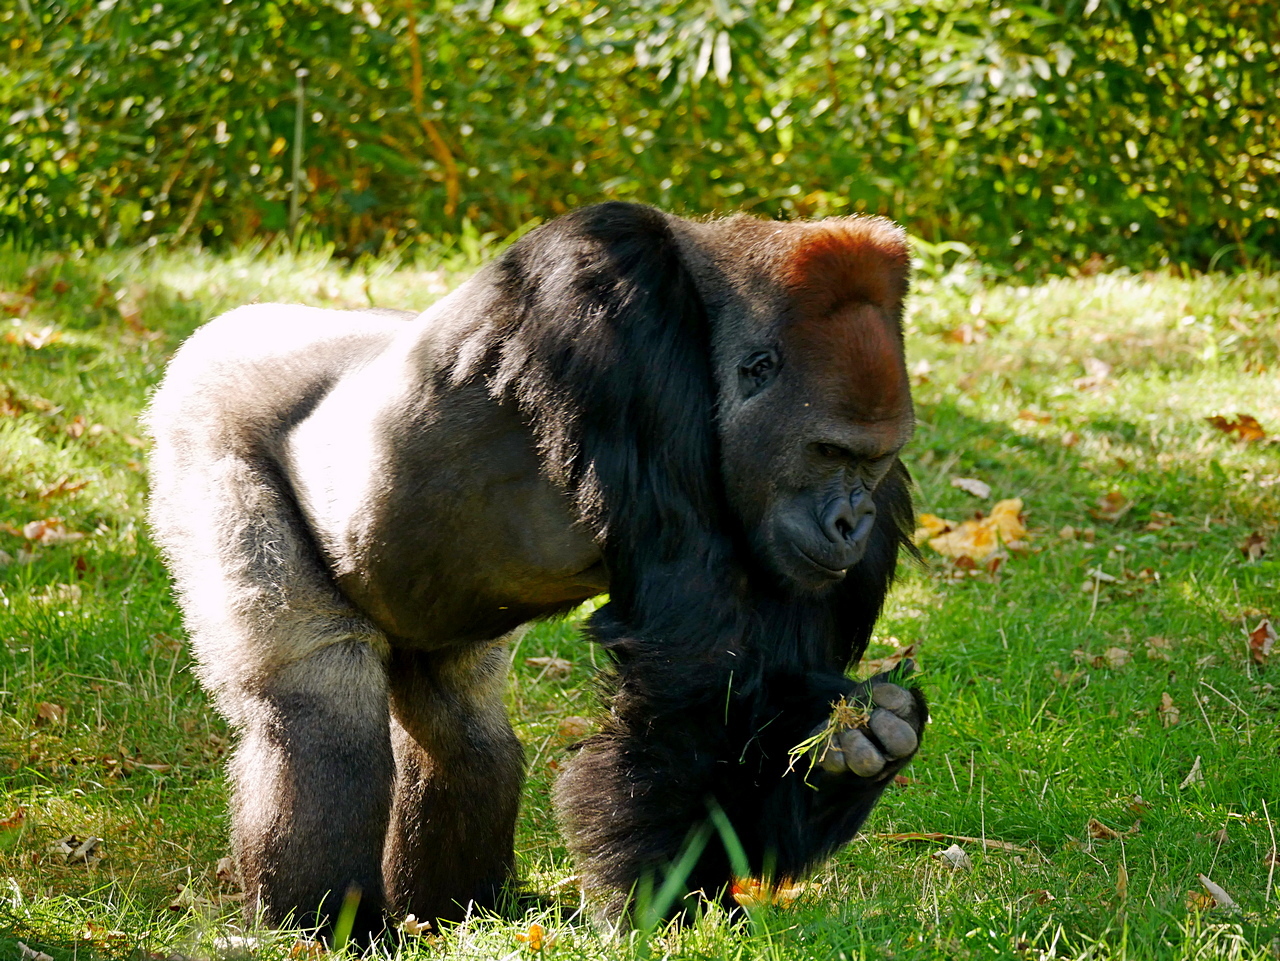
column 860, row 755
column 898, row 737
column 894, row 698
column 831, row 759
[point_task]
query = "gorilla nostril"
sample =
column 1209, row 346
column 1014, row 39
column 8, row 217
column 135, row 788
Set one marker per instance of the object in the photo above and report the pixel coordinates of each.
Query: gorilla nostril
column 844, row 528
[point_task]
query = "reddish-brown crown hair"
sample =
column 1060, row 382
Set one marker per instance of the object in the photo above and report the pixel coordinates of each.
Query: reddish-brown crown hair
column 848, row 278
column 848, row 260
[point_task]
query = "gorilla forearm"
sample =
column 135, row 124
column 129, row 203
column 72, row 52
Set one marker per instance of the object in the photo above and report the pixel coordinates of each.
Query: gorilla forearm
column 633, row 796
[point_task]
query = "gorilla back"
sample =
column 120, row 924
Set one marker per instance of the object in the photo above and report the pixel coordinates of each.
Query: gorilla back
column 702, row 419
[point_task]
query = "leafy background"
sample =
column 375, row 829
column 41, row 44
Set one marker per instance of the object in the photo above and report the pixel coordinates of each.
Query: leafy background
column 1062, row 136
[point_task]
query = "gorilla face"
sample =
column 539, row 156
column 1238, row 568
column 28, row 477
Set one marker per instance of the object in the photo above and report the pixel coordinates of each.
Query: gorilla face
column 813, row 428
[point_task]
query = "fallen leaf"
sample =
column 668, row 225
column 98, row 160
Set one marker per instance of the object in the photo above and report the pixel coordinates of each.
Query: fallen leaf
column 1244, row 427
column 51, row 530
column 65, row 486
column 955, row 858
column 899, row 779
column 1111, row 507
column 1113, row 657
column 1194, row 776
column 1042, row 896
column 1199, row 901
column 878, row 665
column 1100, row 832
column 15, row 820
column 225, row 871
column 1261, row 641
column 536, row 937
column 74, row 849
column 971, row 485
column 1254, row 546
column 50, row 713
column 1097, row 372
column 1159, row 521
column 1122, row 882
column 975, row 539
column 1158, row 647
column 411, row 925
column 31, row 954
column 1219, row 896
column 1169, row 714
column 755, row 893
column 302, row 950
column 574, row 727
column 553, row 668
column 1035, row 415
column 1138, row 806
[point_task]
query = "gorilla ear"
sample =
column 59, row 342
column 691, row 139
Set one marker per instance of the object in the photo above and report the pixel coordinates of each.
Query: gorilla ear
column 756, row 371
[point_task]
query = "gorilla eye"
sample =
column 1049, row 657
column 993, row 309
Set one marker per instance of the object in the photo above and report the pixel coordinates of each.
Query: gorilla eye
column 831, row 451
column 756, row 371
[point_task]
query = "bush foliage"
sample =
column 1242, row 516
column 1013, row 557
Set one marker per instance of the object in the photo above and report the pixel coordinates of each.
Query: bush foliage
column 1141, row 131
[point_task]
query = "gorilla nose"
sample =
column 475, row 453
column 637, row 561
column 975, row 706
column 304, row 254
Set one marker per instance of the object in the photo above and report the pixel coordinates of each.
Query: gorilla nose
column 847, row 524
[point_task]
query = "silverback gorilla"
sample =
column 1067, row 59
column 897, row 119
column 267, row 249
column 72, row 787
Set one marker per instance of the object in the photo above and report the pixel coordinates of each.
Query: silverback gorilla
column 701, row 418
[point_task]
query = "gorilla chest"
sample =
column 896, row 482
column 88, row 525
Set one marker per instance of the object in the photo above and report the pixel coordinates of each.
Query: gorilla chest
column 455, row 536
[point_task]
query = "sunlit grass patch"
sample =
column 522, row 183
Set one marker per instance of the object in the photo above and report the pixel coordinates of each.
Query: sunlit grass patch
column 1081, row 681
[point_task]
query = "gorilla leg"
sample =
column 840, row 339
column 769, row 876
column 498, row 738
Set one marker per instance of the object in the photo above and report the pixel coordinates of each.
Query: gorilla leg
column 459, row 770
column 311, row 783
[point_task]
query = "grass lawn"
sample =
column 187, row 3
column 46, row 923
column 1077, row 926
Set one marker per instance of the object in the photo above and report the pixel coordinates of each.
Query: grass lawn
column 1099, row 720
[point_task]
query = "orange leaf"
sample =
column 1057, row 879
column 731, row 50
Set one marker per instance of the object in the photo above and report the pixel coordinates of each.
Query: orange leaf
column 1244, row 427
column 1261, row 640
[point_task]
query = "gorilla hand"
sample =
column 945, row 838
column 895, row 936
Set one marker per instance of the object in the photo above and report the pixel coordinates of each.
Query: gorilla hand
column 878, row 740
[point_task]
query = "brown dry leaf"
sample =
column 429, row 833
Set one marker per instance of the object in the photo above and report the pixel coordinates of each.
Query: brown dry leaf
column 574, row 727
column 35, row 339
column 301, row 950
column 74, row 849
column 1254, row 546
column 1159, row 521
column 1272, row 860
column 1100, row 832
column 1111, row 507
column 1113, row 657
column 1042, row 896
column 1158, row 648
column 50, row 530
column 971, row 485
column 1168, row 713
column 537, row 937
column 50, row 713
column 31, row 954
column 1199, row 901
column 553, row 668
column 1262, row 639
column 1244, row 427
column 878, row 665
column 1035, row 415
column 14, row 821
column 1122, row 882
column 65, row 486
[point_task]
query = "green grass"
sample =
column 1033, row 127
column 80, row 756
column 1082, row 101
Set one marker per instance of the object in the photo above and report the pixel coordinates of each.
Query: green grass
column 1029, row 742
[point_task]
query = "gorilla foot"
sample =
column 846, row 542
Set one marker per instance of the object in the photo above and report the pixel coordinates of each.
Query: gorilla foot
column 872, row 739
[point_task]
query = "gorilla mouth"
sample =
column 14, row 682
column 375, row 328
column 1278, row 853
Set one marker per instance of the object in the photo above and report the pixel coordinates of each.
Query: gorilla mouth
column 831, row 573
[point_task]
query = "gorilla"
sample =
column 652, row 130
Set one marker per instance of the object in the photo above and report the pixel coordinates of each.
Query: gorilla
column 700, row 418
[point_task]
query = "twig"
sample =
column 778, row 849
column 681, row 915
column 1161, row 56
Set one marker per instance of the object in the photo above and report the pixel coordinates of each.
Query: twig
column 1213, row 737
column 1275, row 855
